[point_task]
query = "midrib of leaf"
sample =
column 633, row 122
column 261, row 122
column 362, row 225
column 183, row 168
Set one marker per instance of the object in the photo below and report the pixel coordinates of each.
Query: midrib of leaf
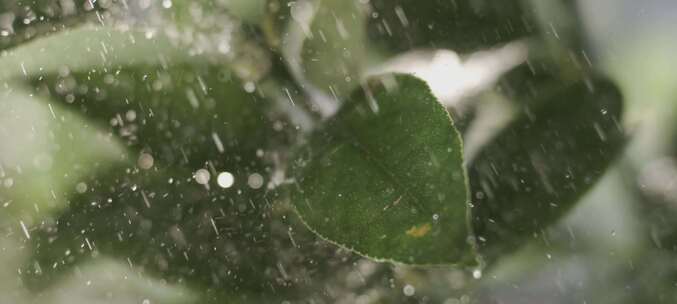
column 383, row 170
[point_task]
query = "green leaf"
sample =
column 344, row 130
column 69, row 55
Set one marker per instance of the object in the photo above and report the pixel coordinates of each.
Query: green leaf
column 46, row 151
column 561, row 28
column 385, row 177
column 181, row 114
column 537, row 168
column 334, row 53
column 187, row 117
column 462, row 25
column 86, row 48
column 118, row 282
column 23, row 21
column 162, row 221
column 324, row 45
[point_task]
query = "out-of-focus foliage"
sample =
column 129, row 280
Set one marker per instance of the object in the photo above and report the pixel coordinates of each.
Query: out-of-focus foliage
column 21, row 21
column 177, row 142
column 459, row 25
column 567, row 138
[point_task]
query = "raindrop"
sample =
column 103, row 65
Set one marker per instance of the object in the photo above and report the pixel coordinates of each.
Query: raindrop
column 224, row 47
column 146, row 161
column 249, row 87
column 70, row 98
column 8, row 182
column 225, row 180
column 218, row 142
column 167, row 3
column 107, row 79
column 278, row 126
column 409, row 290
column 81, row 187
column 25, row 230
column 477, row 274
column 202, row 176
column 255, row 181
column 130, row 115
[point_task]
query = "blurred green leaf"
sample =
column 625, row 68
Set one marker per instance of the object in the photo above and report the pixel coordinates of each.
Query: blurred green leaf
column 93, row 82
column 164, row 224
column 46, row 151
column 89, row 48
column 385, row 177
column 248, row 10
column 334, row 52
column 180, row 120
column 114, row 281
column 177, row 120
column 189, row 12
column 182, row 115
column 323, row 45
column 535, row 170
column 22, row 21
column 273, row 24
column 561, row 28
column 462, row 25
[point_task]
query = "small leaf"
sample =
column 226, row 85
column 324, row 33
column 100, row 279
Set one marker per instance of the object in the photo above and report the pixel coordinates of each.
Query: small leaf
column 385, row 177
column 535, row 170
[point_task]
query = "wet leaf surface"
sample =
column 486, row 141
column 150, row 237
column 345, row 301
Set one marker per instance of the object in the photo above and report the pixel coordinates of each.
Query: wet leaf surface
column 385, row 177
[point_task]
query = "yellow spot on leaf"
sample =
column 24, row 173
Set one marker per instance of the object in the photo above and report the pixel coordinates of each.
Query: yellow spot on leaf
column 419, row 231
